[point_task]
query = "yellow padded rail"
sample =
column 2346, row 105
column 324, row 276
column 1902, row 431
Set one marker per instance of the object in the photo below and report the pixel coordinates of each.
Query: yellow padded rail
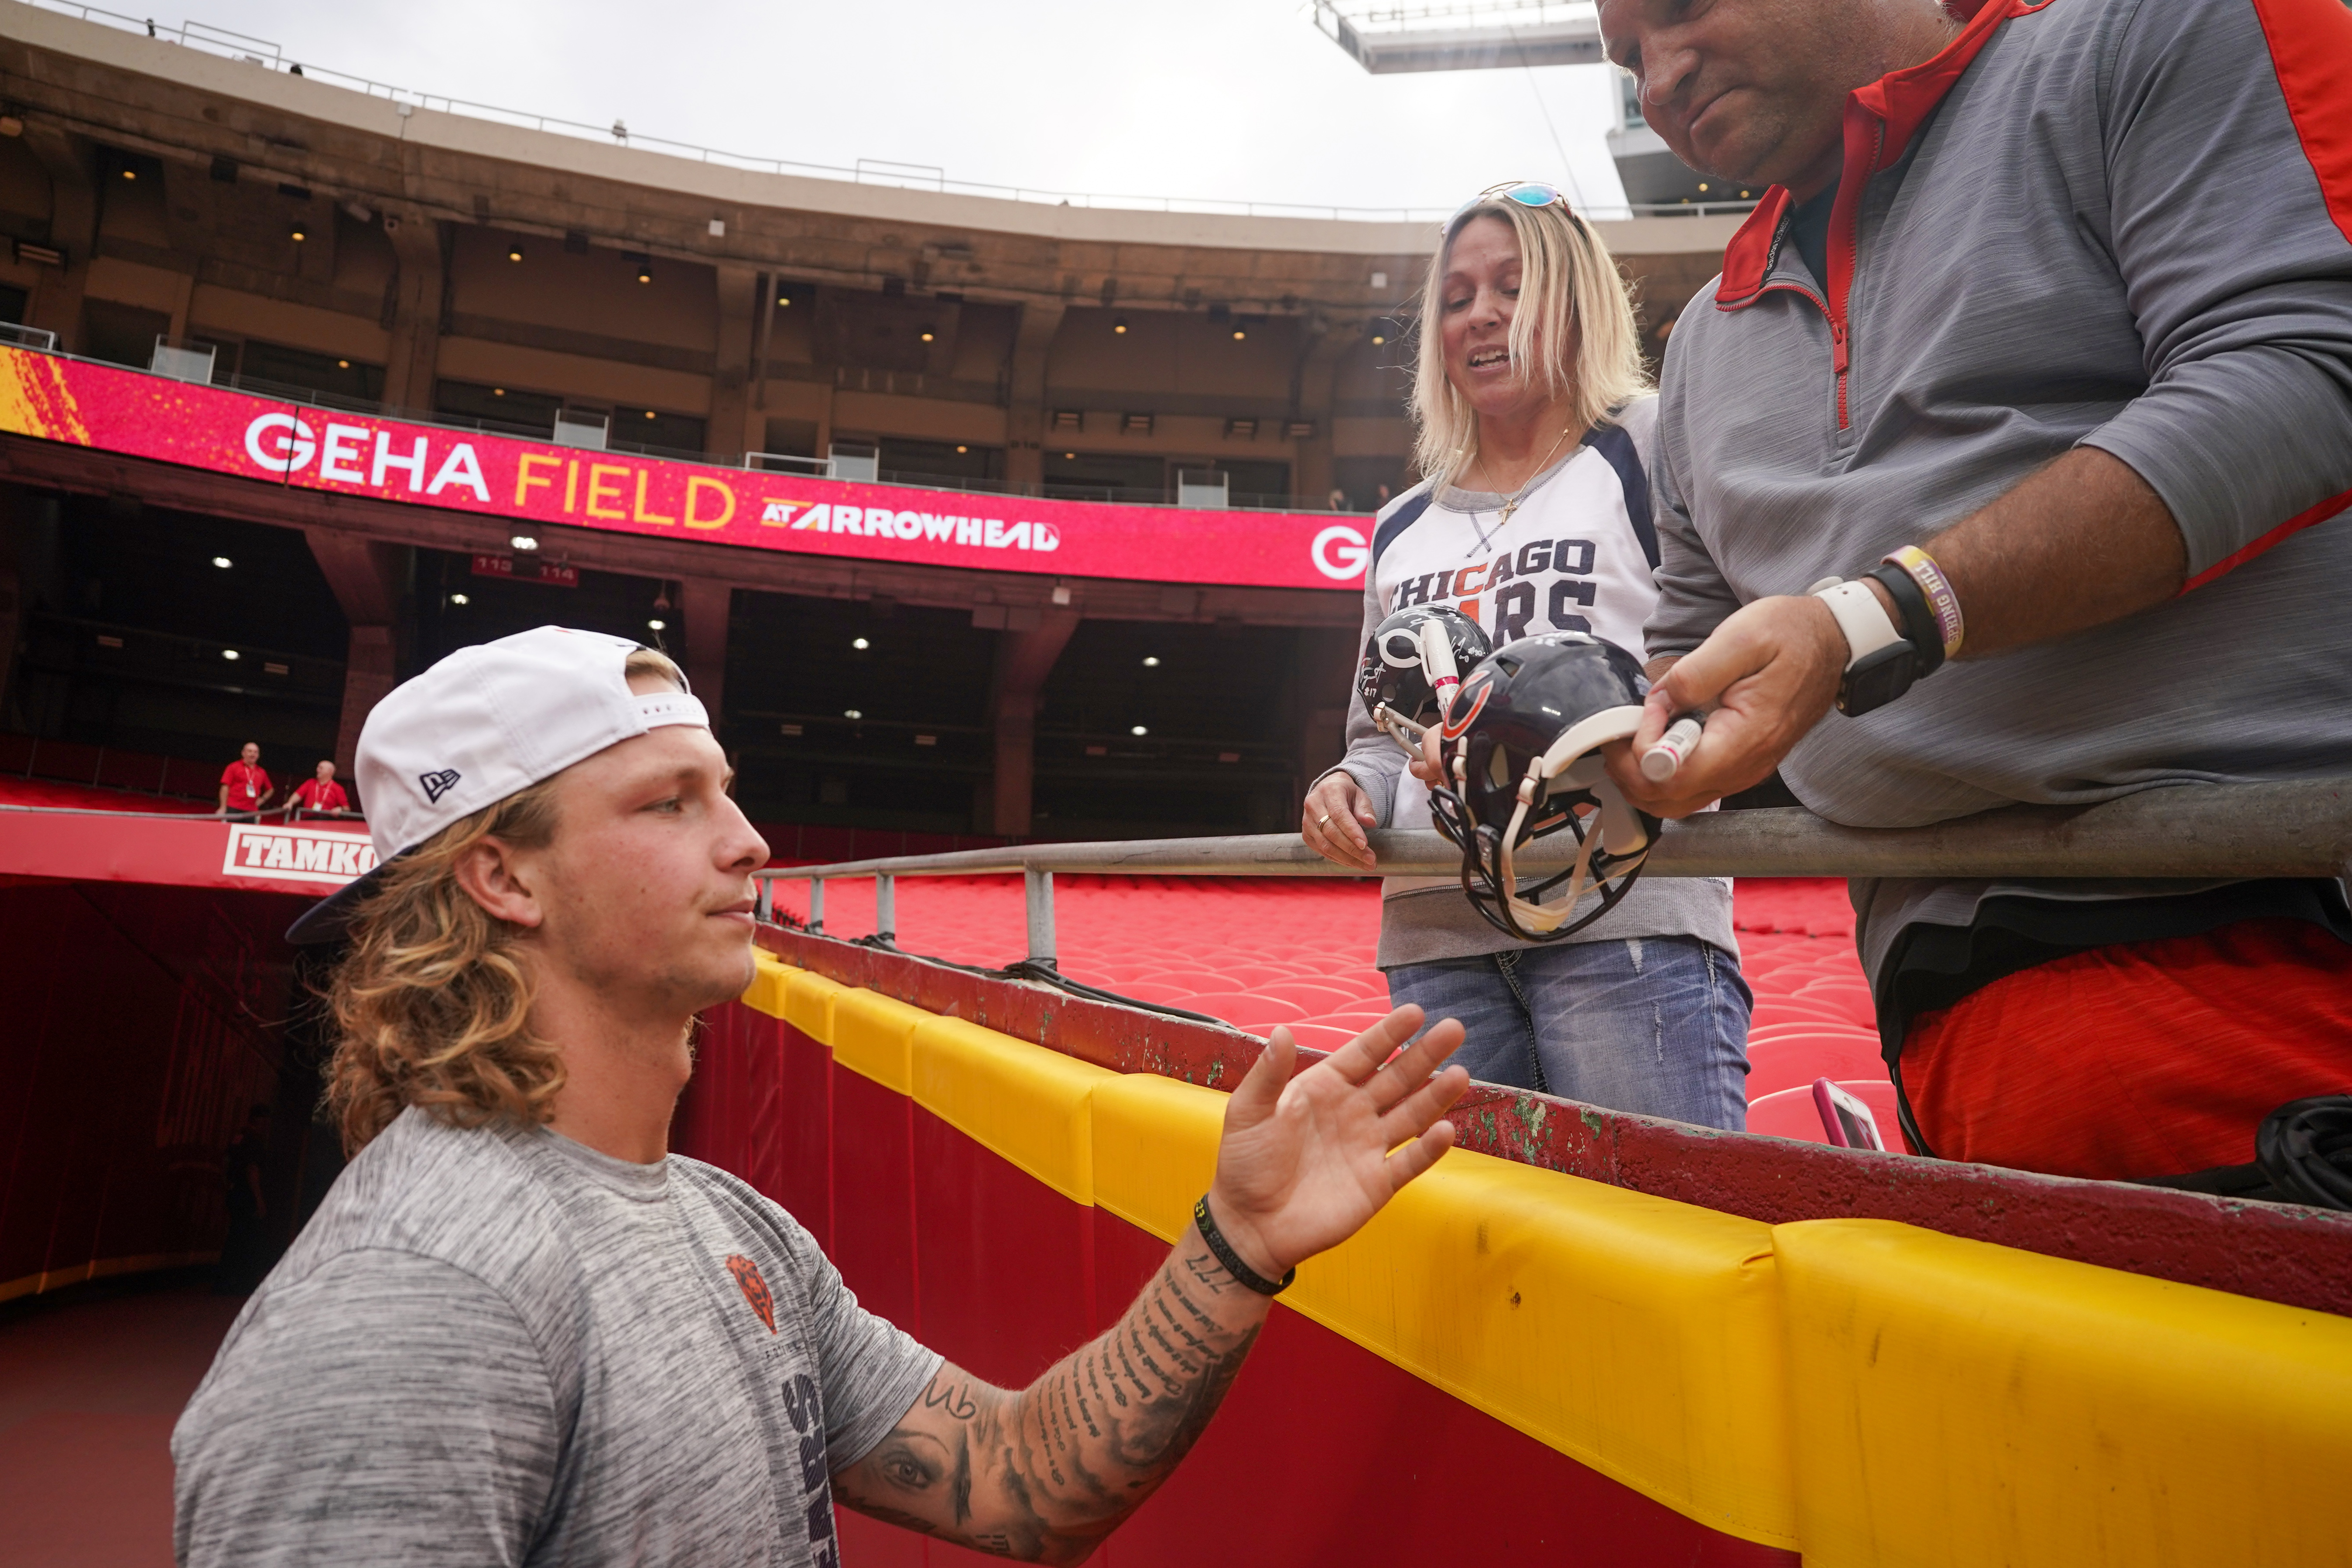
column 1155, row 1150
column 1958, row 1403
column 1029, row 1105
column 1639, row 1336
column 1866, row 1391
column 808, row 1004
column 770, row 977
column 874, row 1036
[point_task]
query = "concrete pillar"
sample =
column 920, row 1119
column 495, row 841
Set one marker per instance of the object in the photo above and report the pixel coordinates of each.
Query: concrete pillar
column 367, row 576
column 73, row 228
column 1024, row 419
column 1323, row 342
column 705, row 605
column 1024, row 661
column 727, row 432
column 416, row 323
column 369, row 672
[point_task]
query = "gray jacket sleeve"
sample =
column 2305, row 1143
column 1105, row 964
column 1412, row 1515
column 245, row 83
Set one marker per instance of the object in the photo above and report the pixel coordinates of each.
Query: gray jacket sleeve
column 1372, row 760
column 2238, row 272
column 1692, row 597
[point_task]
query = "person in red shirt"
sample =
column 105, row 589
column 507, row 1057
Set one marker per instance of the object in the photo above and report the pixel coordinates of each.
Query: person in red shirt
column 244, row 786
column 318, row 796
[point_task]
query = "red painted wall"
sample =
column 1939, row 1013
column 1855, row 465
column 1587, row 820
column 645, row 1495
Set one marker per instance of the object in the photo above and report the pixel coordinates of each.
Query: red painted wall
column 1324, row 1453
column 135, row 1033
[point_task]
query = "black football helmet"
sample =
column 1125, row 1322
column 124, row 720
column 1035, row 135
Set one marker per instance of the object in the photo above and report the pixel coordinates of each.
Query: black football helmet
column 1522, row 744
column 1412, row 663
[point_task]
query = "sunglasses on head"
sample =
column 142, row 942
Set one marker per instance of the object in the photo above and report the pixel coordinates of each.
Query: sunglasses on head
column 1526, row 193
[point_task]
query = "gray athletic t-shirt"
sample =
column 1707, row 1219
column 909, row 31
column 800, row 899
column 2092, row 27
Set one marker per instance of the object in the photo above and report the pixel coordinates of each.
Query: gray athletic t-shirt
column 496, row 1346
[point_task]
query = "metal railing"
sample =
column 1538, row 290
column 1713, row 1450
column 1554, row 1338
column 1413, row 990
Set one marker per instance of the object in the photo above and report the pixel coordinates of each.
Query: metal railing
column 266, row 56
column 2217, row 832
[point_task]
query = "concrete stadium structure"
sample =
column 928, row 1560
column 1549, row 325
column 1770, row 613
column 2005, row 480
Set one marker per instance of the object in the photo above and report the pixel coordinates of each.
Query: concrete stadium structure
column 359, row 251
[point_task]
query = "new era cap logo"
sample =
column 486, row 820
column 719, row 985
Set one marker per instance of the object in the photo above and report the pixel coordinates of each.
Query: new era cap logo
column 437, row 784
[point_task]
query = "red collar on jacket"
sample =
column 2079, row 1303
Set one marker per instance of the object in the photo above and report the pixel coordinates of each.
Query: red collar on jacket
column 1899, row 103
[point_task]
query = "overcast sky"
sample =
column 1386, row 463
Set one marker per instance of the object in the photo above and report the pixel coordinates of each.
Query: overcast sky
column 1221, row 100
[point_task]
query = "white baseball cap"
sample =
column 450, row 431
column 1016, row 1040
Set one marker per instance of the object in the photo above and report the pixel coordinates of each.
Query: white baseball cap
column 484, row 723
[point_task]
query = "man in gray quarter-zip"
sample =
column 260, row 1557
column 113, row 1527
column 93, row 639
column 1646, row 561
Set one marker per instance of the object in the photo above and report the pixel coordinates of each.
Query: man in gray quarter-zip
column 2037, row 356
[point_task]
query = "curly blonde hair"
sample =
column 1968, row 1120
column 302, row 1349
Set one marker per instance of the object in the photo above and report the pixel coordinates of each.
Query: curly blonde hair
column 430, row 1004
column 1571, row 293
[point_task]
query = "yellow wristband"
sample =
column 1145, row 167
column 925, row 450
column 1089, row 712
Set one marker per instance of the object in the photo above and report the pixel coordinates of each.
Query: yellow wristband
column 1921, row 568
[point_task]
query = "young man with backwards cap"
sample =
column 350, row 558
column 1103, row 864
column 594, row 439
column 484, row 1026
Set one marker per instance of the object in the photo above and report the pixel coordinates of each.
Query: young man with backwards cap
column 517, row 1331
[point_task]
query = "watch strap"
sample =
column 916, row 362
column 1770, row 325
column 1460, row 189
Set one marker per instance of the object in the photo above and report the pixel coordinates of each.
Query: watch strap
column 1861, row 617
column 1917, row 617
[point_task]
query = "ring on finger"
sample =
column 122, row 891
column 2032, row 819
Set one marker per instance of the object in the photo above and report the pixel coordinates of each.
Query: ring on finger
column 1324, row 820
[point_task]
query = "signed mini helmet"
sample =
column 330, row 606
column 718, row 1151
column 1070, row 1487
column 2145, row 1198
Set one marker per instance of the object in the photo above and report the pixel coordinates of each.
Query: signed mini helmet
column 1412, row 663
column 1522, row 747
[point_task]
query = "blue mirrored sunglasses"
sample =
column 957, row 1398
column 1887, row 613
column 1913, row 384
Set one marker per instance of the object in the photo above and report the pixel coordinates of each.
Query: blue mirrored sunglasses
column 1526, row 193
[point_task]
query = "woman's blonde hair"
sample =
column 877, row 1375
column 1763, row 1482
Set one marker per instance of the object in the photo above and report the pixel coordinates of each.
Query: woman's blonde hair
column 431, row 1004
column 1571, row 297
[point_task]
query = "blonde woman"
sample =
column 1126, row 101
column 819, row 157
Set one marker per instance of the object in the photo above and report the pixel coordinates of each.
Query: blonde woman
column 1534, row 418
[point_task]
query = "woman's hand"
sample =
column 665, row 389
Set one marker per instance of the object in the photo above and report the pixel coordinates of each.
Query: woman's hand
column 1333, row 822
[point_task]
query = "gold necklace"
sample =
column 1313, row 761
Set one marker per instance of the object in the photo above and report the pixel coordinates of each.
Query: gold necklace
column 1512, row 504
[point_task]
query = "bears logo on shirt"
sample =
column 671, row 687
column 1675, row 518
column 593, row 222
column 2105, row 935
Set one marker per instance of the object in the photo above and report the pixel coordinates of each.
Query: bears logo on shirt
column 754, row 1286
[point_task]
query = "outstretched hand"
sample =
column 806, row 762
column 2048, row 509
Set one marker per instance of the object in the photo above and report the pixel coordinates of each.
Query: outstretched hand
column 1306, row 1160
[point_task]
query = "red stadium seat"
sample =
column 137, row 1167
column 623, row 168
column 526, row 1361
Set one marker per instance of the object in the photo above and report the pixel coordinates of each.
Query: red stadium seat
column 1801, row 1010
column 1794, row 1061
column 1245, row 1010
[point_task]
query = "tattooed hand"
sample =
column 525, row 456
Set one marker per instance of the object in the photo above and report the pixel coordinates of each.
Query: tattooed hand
column 1047, row 1473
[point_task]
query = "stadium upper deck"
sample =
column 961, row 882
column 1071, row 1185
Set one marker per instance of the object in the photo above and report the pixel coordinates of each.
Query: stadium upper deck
column 407, row 265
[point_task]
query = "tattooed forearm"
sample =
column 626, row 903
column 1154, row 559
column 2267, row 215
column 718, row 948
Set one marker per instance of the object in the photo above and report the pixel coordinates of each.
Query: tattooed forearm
column 1047, row 1473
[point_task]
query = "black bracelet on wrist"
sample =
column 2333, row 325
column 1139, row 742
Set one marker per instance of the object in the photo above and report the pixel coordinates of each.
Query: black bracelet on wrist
column 1916, row 616
column 1230, row 1259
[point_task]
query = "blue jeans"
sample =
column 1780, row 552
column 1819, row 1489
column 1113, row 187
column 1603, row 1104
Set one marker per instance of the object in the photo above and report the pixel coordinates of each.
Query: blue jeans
column 1653, row 1025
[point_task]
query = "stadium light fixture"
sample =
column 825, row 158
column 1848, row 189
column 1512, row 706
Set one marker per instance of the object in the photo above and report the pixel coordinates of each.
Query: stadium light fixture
column 1151, row 661
column 497, row 391
column 656, row 626
column 644, row 271
column 860, row 644
column 928, row 334
column 1239, row 334
column 223, row 561
column 231, row 655
column 523, row 541
column 514, row 253
column 783, row 299
column 1138, row 729
column 460, row 599
column 299, row 236
column 1119, row 326
column 961, row 450
column 342, row 365
column 853, row 713
column 129, row 173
